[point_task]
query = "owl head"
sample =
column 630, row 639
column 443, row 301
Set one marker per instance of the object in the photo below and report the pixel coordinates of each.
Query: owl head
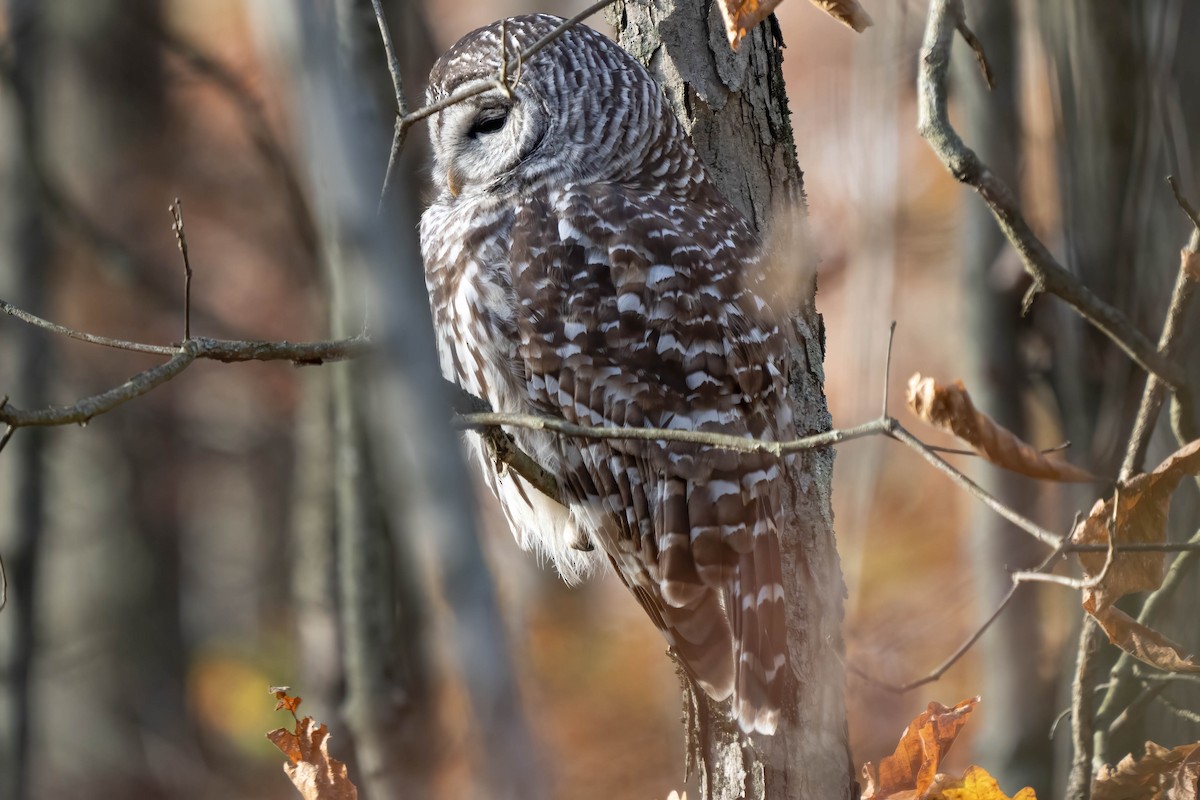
column 580, row 109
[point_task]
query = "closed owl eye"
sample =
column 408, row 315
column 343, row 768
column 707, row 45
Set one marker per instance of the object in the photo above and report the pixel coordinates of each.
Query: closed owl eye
column 488, row 120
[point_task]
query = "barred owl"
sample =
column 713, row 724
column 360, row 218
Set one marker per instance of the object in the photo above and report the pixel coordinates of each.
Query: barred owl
column 582, row 265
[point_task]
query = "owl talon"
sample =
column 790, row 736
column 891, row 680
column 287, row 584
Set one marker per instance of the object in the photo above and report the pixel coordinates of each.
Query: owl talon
column 583, row 544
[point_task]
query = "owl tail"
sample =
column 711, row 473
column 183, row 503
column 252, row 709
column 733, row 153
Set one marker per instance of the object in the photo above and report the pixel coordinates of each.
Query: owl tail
column 699, row 634
column 756, row 614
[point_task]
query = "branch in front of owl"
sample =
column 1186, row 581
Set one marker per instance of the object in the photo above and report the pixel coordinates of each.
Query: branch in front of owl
column 946, row 17
column 502, row 80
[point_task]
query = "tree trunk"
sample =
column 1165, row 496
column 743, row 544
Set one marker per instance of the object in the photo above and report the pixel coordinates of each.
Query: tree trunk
column 734, row 106
column 23, row 251
column 1020, row 699
column 405, row 453
column 1128, row 117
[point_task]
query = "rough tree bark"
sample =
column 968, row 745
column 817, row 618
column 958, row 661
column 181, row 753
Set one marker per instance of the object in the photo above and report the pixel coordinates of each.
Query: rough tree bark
column 735, row 108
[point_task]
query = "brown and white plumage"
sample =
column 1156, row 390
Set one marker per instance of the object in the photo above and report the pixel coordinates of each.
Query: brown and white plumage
column 582, row 265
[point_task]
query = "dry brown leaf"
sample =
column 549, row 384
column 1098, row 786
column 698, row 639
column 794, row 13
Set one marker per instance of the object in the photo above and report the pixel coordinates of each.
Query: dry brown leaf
column 950, row 408
column 910, row 771
column 848, row 12
column 1160, row 774
column 314, row 773
column 286, row 702
column 977, row 784
column 1144, row 644
column 1140, row 507
column 741, row 16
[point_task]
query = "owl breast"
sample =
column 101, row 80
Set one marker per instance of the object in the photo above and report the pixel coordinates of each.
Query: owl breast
column 474, row 307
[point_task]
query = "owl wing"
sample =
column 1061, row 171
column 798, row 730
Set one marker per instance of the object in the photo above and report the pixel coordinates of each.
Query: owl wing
column 631, row 313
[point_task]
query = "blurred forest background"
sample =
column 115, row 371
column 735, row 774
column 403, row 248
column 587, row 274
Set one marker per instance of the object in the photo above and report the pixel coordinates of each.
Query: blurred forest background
column 173, row 560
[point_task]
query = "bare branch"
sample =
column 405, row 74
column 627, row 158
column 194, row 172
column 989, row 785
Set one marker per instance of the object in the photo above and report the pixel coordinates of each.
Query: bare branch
column 1182, row 713
column 897, row 432
column 937, row 672
column 405, row 119
column 977, row 47
column 1168, row 344
column 119, row 344
column 392, row 61
column 1136, row 707
column 1182, row 297
column 506, row 454
column 84, row 410
column 400, row 130
column 483, row 420
column 480, row 86
column 176, row 210
column 957, row 451
column 945, row 18
column 887, row 368
column 1187, row 207
column 225, row 351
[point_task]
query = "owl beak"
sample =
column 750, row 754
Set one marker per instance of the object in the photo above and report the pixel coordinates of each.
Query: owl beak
column 453, row 182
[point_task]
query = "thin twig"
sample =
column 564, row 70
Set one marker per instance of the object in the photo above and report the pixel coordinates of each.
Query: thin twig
column 1187, row 207
column 887, row 368
column 1134, row 709
column 482, row 420
column 118, row 344
column 1153, row 394
column 405, row 118
column 392, row 61
column 484, row 84
column 1079, row 584
column 1182, row 713
column 957, row 451
column 176, row 210
column 400, row 130
column 1083, row 711
column 1137, row 547
column 937, row 672
column 898, row 432
column 945, row 18
column 224, row 351
column 1058, row 721
column 977, row 47
column 1168, row 343
column 3, row 579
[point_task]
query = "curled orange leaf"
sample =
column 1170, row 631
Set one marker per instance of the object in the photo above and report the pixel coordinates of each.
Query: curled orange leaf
column 1136, row 513
column 741, row 16
column 914, row 765
column 950, row 408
